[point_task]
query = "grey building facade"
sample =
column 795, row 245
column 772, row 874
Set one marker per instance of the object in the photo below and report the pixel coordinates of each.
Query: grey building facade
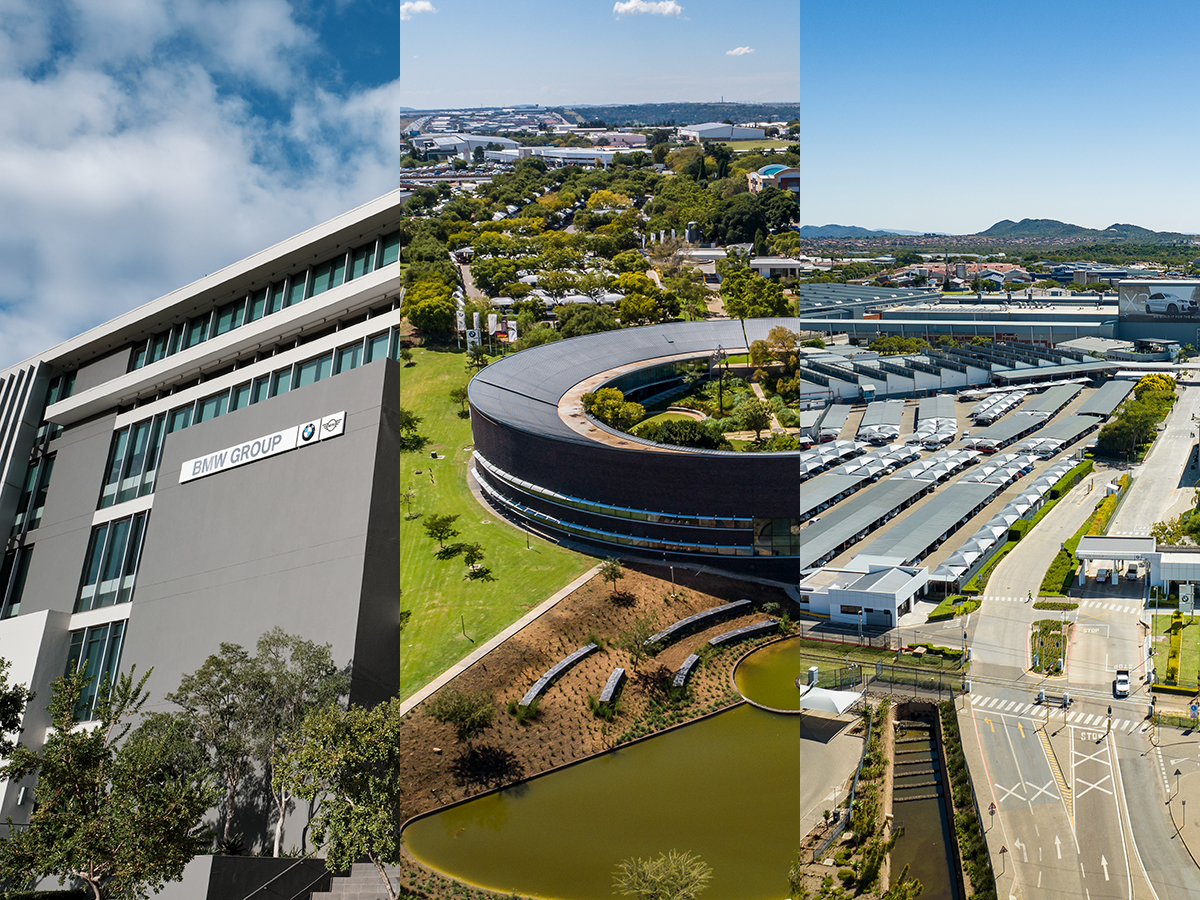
column 218, row 462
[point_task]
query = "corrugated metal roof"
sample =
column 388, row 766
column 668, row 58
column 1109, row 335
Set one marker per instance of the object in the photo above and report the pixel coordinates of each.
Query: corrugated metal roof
column 1107, row 398
column 939, row 515
column 855, row 515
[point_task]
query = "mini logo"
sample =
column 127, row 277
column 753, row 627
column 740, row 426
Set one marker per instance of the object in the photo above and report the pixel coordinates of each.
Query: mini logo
column 309, row 431
column 331, row 423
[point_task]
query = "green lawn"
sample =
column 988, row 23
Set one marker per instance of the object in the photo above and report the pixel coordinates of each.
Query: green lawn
column 761, row 144
column 1189, row 663
column 664, row 417
column 436, row 592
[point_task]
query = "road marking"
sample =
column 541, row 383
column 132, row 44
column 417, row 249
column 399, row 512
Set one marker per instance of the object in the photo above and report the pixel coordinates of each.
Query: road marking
column 1093, row 787
column 1021, row 729
column 1040, row 790
column 1011, row 792
column 990, row 725
column 1064, row 790
column 1058, row 846
column 1104, row 865
column 1020, row 846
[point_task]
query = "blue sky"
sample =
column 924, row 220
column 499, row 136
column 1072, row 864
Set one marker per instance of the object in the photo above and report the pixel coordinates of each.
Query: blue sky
column 145, row 143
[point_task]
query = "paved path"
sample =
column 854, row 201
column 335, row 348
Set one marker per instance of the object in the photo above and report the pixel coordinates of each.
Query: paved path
column 776, row 428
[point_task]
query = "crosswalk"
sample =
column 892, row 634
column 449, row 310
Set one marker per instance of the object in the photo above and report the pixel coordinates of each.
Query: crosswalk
column 1022, row 708
column 1083, row 604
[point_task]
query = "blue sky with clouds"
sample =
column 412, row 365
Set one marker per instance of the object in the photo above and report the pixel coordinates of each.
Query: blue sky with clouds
column 144, row 143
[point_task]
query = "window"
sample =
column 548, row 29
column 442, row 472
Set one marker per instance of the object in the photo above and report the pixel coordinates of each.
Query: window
column 211, row 407
column 132, row 462
column 12, row 580
column 257, row 306
column 314, row 370
column 296, row 289
column 139, row 356
column 275, row 297
column 258, row 392
column 179, row 419
column 33, row 494
column 348, row 358
column 239, row 396
column 281, row 381
column 377, row 346
column 229, row 317
column 99, row 650
column 390, row 249
column 327, row 275
column 362, row 261
column 196, row 331
column 851, row 610
column 110, row 566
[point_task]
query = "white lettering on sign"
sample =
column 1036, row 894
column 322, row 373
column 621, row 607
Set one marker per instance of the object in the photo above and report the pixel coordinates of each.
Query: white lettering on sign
column 260, row 448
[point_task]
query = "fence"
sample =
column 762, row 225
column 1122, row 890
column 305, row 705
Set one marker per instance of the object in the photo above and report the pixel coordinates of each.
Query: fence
column 844, row 820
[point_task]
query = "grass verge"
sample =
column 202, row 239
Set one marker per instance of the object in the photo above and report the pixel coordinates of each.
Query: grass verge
column 954, row 605
column 1048, row 641
column 1061, row 573
column 1189, row 650
column 444, row 614
column 971, row 844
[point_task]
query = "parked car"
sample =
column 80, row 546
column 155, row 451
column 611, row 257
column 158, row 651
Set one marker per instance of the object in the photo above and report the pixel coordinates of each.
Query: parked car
column 1101, row 576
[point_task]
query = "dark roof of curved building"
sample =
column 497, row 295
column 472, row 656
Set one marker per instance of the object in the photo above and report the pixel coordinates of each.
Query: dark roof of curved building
column 523, row 390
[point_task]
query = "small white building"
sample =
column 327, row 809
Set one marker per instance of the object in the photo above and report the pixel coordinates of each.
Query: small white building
column 719, row 131
column 863, row 592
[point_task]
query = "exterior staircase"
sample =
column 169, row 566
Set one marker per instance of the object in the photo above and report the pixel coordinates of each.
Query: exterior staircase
column 363, row 883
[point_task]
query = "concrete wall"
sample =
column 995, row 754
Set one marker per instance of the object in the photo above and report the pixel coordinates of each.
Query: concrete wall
column 280, row 541
column 102, row 370
column 60, row 541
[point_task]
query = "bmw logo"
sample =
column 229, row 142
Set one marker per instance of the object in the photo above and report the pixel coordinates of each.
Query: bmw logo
column 309, row 431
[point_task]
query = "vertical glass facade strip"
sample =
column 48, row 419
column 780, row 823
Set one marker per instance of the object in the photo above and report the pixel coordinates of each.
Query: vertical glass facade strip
column 229, row 317
column 325, row 366
column 97, row 650
column 337, row 271
column 211, row 407
column 322, row 279
column 111, row 561
column 179, row 419
column 135, row 461
column 153, row 455
column 275, row 297
column 45, row 471
column 138, row 359
column 116, row 460
column 12, row 580
column 362, row 262
column 196, row 332
column 133, row 553
column 91, row 568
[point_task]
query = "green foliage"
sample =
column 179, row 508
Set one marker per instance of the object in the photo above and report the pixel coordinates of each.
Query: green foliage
column 610, row 407
column 440, row 528
column 755, row 415
column 575, row 319
column 470, row 713
column 954, row 605
column 814, row 342
column 1135, row 422
column 633, row 640
column 668, row 876
column 13, row 699
column 612, row 571
column 892, row 345
column 351, row 763
column 683, row 433
column 119, row 809
column 973, row 848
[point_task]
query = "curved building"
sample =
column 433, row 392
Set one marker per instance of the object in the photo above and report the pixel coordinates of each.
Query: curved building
column 540, row 459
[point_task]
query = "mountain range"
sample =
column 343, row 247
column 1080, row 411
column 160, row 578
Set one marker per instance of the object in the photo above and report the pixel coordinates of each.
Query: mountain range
column 1048, row 230
column 848, row 231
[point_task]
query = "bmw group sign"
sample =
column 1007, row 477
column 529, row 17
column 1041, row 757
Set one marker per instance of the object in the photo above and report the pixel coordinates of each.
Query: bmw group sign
column 268, row 445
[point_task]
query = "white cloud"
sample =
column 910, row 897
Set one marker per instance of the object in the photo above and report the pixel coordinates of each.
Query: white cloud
column 653, row 7
column 739, row 51
column 410, row 7
column 126, row 172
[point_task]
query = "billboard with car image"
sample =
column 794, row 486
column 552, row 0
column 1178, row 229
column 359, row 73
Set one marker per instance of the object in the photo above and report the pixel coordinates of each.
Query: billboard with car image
column 1159, row 300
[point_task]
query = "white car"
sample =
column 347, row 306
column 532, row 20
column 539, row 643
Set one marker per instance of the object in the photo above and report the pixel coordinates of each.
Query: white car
column 1121, row 684
column 1170, row 304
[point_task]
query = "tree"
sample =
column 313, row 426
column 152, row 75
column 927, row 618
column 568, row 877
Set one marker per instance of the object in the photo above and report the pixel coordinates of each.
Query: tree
column 638, row 309
column 477, row 154
column 407, row 422
column 351, row 761
column 669, row 876
column 610, row 407
column 13, row 699
column 575, row 319
column 292, row 678
column 633, row 640
column 459, row 395
column 473, row 554
column 630, row 261
column 760, row 353
column 755, row 415
column 612, row 571
column 219, row 702
column 441, row 528
column 119, row 811
column 470, row 713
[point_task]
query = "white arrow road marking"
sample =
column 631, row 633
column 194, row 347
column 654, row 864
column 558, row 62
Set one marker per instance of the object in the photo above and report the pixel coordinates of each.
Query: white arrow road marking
column 1058, row 846
column 1104, row 865
column 1017, row 843
column 1184, row 759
